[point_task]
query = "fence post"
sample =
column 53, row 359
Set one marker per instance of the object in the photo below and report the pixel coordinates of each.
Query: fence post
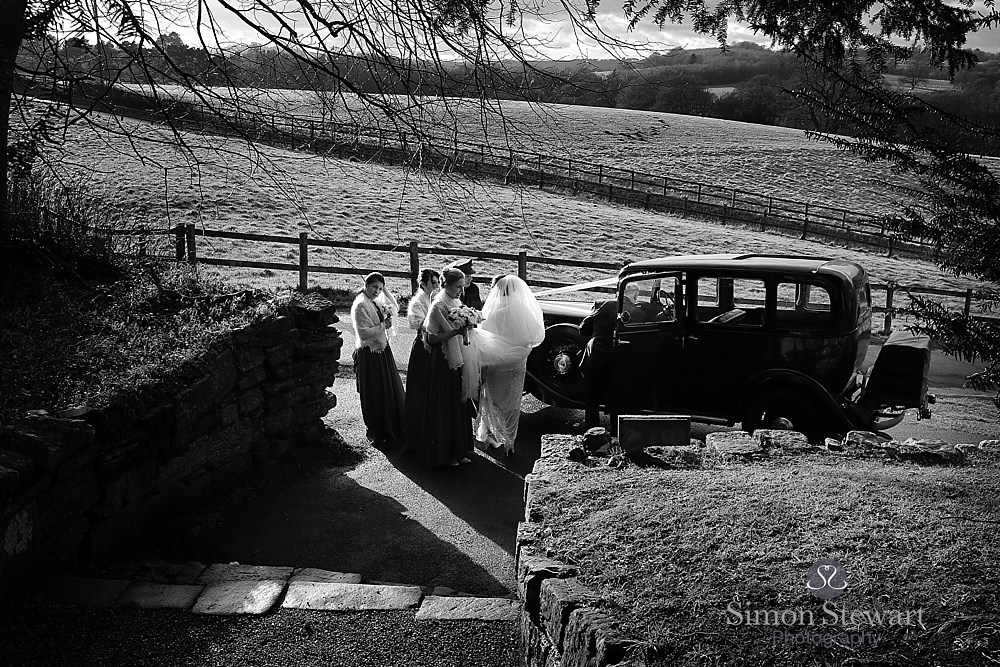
column 699, row 192
column 632, row 181
column 887, row 323
column 303, row 261
column 192, row 252
column 180, row 241
column 414, row 267
column 968, row 301
column 569, row 168
column 522, row 265
column 805, row 223
column 664, row 186
column 732, row 199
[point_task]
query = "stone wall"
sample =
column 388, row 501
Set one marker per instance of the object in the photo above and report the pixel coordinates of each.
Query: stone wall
column 74, row 488
column 562, row 624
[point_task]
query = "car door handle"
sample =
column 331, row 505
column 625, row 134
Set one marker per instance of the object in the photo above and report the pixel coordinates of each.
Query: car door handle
column 624, row 342
column 691, row 337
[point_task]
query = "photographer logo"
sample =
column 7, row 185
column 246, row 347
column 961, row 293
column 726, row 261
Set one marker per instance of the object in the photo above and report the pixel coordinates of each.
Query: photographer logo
column 826, row 579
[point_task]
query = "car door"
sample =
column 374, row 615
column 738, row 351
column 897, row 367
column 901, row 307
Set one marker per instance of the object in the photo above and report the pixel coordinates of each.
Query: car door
column 648, row 347
column 725, row 341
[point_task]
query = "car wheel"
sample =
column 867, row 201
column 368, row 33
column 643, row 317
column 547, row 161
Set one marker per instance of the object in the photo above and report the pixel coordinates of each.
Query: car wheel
column 785, row 408
column 555, row 363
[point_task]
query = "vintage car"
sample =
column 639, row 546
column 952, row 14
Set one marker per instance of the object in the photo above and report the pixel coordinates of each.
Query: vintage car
column 765, row 341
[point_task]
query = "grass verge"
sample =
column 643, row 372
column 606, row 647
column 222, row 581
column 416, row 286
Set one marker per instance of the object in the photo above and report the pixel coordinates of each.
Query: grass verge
column 126, row 339
column 681, row 556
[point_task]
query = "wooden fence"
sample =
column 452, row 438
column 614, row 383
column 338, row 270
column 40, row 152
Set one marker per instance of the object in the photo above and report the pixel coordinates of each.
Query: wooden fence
column 186, row 250
column 627, row 186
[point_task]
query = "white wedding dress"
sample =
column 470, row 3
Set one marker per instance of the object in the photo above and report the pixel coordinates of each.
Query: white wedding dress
column 511, row 327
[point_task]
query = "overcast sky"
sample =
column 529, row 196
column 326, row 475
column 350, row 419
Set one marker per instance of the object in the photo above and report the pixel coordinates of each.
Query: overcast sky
column 563, row 43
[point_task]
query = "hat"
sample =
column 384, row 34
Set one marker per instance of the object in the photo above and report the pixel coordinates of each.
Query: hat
column 463, row 265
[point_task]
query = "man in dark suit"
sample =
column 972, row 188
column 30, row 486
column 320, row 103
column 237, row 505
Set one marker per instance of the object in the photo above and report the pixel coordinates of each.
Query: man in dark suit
column 599, row 327
column 471, row 296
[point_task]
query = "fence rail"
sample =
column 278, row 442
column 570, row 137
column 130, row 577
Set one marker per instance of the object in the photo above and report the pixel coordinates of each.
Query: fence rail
column 186, row 250
column 650, row 191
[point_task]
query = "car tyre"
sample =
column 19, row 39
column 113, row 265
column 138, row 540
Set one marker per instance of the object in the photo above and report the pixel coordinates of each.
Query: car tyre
column 785, row 408
column 555, row 364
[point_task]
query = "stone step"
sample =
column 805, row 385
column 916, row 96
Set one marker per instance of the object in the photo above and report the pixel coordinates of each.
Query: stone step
column 236, row 589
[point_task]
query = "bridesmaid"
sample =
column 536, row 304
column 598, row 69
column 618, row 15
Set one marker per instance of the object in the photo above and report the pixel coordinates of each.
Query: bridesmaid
column 446, row 428
column 420, row 353
column 378, row 381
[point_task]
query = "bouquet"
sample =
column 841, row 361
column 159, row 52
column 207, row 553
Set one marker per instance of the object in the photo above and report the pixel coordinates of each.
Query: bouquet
column 465, row 316
column 386, row 311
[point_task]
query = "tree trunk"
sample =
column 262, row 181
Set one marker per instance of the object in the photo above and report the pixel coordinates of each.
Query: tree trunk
column 12, row 31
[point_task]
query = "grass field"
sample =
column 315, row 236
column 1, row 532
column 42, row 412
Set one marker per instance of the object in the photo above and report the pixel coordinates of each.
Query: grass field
column 776, row 161
column 224, row 184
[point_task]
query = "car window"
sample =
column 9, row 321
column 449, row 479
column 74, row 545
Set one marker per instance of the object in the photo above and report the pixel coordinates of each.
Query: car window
column 730, row 301
column 802, row 305
column 649, row 300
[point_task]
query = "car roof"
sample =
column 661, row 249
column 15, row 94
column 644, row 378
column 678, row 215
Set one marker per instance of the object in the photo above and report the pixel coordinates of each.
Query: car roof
column 765, row 263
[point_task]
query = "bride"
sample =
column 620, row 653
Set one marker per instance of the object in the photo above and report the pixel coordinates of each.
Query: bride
column 512, row 326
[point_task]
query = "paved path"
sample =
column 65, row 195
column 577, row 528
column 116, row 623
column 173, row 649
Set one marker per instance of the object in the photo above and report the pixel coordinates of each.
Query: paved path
column 238, row 615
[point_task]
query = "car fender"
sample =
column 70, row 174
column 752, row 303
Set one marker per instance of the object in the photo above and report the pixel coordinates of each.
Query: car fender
column 547, row 394
column 783, row 377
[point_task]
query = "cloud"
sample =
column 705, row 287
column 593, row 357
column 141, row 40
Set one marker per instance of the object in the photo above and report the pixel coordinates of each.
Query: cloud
column 552, row 35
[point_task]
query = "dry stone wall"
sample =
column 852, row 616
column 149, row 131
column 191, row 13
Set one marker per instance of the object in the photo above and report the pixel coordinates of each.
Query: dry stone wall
column 72, row 488
column 562, row 623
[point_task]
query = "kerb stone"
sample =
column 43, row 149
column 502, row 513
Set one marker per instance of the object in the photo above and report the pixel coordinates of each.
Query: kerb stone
column 225, row 445
column 348, row 597
column 532, row 571
column 557, row 600
column 862, row 443
column 536, row 649
column 782, row 442
column 48, row 441
column 127, row 487
column 239, row 597
column 143, row 595
column 733, row 445
column 84, row 592
column 591, row 639
column 8, row 479
column 437, row 608
column 219, row 572
column 249, row 359
column 325, row 576
column 558, row 445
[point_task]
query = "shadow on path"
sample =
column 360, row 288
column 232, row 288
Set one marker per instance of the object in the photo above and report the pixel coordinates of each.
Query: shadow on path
column 303, row 511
